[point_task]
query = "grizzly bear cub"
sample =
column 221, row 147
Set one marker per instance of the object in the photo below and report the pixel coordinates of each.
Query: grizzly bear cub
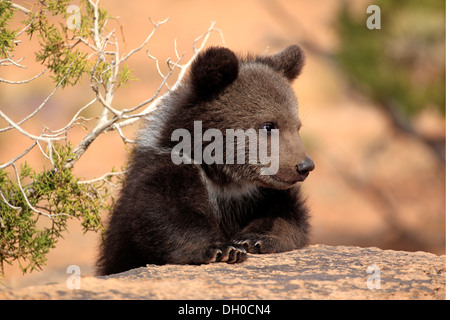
column 235, row 188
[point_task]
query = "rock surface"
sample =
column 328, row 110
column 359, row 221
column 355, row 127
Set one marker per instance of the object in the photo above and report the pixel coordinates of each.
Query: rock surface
column 316, row 272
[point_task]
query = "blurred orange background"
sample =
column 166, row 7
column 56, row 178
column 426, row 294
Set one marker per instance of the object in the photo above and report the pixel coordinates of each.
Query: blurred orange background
column 371, row 186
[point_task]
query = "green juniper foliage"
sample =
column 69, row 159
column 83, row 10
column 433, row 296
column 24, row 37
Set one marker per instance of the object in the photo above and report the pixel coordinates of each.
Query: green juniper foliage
column 7, row 36
column 36, row 205
column 56, row 196
column 60, row 47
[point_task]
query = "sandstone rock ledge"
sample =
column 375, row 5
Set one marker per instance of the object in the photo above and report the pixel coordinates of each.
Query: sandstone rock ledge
column 316, row 272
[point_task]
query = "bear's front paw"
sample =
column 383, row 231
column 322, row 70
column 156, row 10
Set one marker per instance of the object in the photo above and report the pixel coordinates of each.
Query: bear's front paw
column 255, row 243
column 228, row 254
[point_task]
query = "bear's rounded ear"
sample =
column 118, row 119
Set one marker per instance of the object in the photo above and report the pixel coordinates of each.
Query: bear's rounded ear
column 213, row 70
column 288, row 61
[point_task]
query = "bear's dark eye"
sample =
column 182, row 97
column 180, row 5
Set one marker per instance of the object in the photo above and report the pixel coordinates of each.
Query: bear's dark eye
column 268, row 126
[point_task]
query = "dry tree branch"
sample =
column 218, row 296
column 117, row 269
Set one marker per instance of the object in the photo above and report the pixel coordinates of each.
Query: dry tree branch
column 9, row 61
column 104, row 124
column 75, row 121
column 49, row 157
column 50, row 216
column 156, row 26
column 43, row 137
column 103, row 177
column 20, row 8
column 24, row 132
column 105, row 49
column 130, row 119
column 56, row 189
column 125, row 139
column 23, row 81
column 12, row 161
column 36, row 110
column 2, row 223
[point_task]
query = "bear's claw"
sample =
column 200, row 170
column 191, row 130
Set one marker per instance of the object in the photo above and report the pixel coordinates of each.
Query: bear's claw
column 229, row 254
column 256, row 244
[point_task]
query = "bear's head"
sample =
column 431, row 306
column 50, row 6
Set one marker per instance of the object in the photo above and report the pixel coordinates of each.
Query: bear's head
column 225, row 94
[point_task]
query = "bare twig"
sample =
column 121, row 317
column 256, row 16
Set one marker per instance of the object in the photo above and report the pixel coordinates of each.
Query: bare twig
column 7, row 164
column 74, row 119
column 45, row 154
column 156, row 26
column 106, row 74
column 196, row 50
column 32, row 114
column 27, row 26
column 105, row 49
column 103, row 177
column 50, row 216
column 9, row 61
column 23, row 81
column 25, row 133
column 130, row 119
column 104, row 124
column 2, row 223
column 125, row 139
column 20, row 8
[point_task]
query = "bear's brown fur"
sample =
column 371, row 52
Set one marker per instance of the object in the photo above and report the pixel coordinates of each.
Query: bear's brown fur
column 195, row 213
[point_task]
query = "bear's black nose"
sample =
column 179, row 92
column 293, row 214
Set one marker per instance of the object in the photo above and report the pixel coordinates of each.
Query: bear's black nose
column 305, row 167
